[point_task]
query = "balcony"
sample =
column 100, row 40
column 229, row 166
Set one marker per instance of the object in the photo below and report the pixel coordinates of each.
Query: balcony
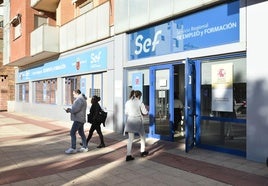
column 47, row 42
column 45, row 5
column 88, row 28
column 44, row 42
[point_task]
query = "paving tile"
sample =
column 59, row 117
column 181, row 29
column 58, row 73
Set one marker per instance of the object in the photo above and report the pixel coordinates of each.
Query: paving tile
column 32, row 153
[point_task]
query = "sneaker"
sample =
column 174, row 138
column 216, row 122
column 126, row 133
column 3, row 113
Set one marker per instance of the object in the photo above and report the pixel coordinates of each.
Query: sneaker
column 82, row 149
column 81, row 144
column 70, row 151
column 145, row 153
column 129, row 158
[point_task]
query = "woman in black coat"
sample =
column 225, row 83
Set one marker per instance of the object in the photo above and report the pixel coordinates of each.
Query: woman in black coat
column 95, row 124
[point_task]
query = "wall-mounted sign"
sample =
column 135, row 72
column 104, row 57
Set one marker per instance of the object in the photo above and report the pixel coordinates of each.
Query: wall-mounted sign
column 89, row 61
column 163, row 83
column 215, row 26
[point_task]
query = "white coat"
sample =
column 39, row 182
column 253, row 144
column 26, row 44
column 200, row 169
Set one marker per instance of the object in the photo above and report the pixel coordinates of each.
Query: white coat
column 134, row 110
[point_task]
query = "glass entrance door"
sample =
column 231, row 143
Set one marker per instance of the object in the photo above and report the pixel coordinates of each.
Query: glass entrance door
column 161, row 110
column 192, row 104
column 162, row 103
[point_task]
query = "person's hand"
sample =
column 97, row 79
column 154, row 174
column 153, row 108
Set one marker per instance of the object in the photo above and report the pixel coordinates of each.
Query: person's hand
column 67, row 110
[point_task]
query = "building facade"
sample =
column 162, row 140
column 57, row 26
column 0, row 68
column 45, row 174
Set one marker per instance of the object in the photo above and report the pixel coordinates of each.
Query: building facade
column 7, row 74
column 206, row 52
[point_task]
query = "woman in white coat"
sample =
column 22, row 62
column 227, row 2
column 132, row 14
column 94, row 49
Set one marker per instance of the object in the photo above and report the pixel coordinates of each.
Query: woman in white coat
column 134, row 110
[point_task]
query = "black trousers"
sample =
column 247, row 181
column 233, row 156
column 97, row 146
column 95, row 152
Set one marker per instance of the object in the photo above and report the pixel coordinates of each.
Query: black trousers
column 96, row 127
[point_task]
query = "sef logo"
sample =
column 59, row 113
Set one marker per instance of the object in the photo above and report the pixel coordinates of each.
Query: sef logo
column 95, row 58
column 147, row 45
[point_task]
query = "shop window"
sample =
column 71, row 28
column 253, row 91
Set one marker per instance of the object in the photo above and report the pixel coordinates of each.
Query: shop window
column 45, row 91
column 223, row 103
column 97, row 85
column 71, row 84
column 94, row 91
column 23, row 92
column 90, row 85
column 232, row 91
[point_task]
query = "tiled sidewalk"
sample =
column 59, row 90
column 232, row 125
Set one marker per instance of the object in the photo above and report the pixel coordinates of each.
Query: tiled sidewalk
column 32, row 153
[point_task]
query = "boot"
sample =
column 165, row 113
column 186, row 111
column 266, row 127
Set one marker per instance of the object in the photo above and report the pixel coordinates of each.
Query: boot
column 129, row 158
column 102, row 145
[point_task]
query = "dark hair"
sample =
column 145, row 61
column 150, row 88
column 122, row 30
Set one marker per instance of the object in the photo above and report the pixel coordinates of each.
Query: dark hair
column 77, row 91
column 97, row 98
column 131, row 95
column 138, row 94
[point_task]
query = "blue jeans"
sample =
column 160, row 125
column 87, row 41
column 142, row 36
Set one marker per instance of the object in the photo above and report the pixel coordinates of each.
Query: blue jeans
column 77, row 126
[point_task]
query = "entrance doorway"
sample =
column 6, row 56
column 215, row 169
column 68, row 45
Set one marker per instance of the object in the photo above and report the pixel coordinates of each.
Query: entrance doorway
column 167, row 83
column 161, row 111
column 201, row 126
column 166, row 80
column 159, row 85
column 179, row 102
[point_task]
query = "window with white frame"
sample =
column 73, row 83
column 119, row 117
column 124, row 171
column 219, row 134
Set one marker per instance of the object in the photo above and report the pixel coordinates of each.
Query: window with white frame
column 45, row 91
column 83, row 6
column 23, row 92
column 39, row 21
column 16, row 23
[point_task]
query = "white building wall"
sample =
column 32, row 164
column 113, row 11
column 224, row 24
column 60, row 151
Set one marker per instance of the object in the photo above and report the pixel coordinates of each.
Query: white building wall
column 132, row 14
column 6, row 36
column 119, row 58
column 257, row 82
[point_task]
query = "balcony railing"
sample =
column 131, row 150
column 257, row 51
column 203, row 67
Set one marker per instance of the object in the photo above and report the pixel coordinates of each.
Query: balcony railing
column 87, row 28
column 45, row 41
column 48, row 41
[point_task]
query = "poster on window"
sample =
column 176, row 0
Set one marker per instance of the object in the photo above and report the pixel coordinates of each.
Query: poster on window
column 137, row 81
column 222, row 87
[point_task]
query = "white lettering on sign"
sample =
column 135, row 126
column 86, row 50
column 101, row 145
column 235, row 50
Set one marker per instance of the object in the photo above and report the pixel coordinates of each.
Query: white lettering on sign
column 227, row 26
column 147, row 45
column 202, row 30
column 95, row 58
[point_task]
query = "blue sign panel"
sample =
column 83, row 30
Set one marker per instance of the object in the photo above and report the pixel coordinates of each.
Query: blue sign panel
column 215, row 26
column 89, row 61
column 137, row 81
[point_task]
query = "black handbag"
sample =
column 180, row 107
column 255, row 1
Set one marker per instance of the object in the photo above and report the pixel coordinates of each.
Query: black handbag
column 89, row 118
column 101, row 117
